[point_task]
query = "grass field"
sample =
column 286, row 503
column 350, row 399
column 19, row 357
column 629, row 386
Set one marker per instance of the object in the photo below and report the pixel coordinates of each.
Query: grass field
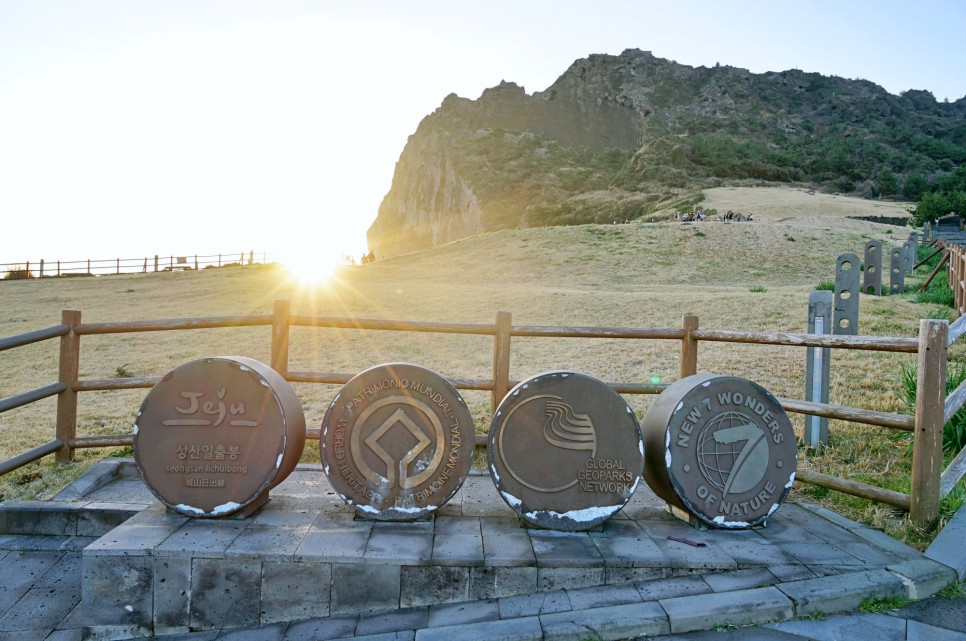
column 743, row 276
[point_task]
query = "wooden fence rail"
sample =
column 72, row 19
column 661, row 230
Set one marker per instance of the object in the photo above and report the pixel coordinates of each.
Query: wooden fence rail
column 927, row 480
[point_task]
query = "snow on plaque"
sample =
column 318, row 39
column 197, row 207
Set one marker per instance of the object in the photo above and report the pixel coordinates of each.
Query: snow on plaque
column 565, row 451
column 721, row 448
column 215, row 435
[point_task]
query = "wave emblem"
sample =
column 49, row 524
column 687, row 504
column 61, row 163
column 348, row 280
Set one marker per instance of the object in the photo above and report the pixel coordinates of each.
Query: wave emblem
column 562, row 428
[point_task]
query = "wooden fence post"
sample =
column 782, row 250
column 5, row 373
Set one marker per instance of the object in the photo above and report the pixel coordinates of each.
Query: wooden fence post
column 689, row 347
column 927, row 448
column 280, row 334
column 501, row 360
column 155, row 262
column 67, row 400
column 41, row 267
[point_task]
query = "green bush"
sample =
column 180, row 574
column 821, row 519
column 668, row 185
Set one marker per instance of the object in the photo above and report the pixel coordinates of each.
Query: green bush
column 826, row 285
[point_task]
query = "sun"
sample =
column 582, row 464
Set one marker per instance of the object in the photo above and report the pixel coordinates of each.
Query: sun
column 310, row 271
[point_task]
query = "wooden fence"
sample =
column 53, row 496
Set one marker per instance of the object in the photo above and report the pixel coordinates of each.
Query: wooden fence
column 103, row 267
column 928, row 483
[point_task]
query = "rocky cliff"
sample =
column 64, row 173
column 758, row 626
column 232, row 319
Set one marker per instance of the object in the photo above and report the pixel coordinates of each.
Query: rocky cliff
column 619, row 137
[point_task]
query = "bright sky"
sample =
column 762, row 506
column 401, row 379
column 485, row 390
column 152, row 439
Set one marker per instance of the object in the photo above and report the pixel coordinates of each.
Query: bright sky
column 130, row 128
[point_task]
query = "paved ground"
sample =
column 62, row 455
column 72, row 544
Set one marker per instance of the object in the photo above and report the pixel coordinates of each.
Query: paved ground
column 41, row 578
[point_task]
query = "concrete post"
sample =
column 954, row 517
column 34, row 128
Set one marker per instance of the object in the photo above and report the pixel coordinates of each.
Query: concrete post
column 846, row 309
column 817, row 366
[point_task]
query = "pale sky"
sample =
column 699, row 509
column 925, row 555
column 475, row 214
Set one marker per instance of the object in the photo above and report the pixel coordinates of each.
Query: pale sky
column 130, row 128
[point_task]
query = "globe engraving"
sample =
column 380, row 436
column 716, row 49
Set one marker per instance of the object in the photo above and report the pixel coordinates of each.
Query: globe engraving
column 732, row 453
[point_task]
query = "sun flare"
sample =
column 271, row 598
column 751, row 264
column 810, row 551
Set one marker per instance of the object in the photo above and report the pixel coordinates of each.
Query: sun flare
column 310, row 271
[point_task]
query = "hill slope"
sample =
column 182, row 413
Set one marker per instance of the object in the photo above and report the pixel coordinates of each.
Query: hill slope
column 620, row 137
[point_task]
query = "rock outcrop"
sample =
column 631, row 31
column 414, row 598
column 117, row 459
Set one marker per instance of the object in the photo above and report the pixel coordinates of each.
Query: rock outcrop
column 617, row 137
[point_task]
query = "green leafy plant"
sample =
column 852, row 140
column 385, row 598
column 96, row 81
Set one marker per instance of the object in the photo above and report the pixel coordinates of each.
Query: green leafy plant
column 954, row 432
column 757, row 289
column 826, row 285
column 882, row 604
column 123, row 372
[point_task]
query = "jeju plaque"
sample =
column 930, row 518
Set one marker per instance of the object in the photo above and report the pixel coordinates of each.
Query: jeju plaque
column 215, row 435
column 397, row 442
column 565, row 451
column 721, row 448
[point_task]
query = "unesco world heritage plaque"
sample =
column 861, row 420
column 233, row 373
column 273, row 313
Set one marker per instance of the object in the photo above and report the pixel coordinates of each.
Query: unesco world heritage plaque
column 721, row 448
column 215, row 435
column 397, row 442
column 565, row 451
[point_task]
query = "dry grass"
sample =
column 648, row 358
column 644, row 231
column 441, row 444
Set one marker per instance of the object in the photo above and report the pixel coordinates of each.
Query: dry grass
column 750, row 276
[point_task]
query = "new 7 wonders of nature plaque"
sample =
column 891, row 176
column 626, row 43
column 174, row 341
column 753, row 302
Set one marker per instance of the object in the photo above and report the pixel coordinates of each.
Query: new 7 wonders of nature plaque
column 397, row 442
column 216, row 434
column 721, row 448
column 565, row 451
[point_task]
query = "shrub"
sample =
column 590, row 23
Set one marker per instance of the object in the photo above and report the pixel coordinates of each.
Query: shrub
column 18, row 273
column 826, row 285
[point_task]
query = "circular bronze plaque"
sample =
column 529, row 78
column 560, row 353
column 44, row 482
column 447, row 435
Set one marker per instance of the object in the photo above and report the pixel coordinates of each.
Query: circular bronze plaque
column 215, row 434
column 721, row 448
column 565, row 451
column 397, row 442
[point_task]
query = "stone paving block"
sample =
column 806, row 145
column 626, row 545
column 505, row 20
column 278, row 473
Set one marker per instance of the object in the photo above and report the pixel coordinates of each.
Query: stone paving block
column 294, row 591
column 460, row 613
column 268, row 543
column 261, row 633
column 225, row 593
column 870, row 555
column 739, row 579
column 603, row 596
column 39, row 608
column 842, row 591
column 784, row 533
column 65, row 574
column 564, row 549
column 199, row 538
column 824, row 554
column 614, row 622
column 947, row 547
column 21, row 570
column 465, row 525
column 736, row 634
column 755, row 552
column 791, row 572
column 858, row 626
column 292, row 518
column 916, row 631
column 940, row 612
column 333, row 543
column 38, row 517
column 76, row 634
column 507, row 550
column 93, row 478
column 493, row 582
column 315, row 629
column 98, row 519
column 120, row 590
column 458, row 549
column 524, row 629
column 503, row 527
column 816, row 525
column 549, row 579
column 401, row 635
column 925, row 577
column 619, row 575
column 405, row 619
column 526, row 605
column 671, row 588
column 682, row 555
column 364, row 588
column 431, row 584
column 141, row 534
column 172, row 590
column 741, row 607
column 625, row 544
column 402, row 546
